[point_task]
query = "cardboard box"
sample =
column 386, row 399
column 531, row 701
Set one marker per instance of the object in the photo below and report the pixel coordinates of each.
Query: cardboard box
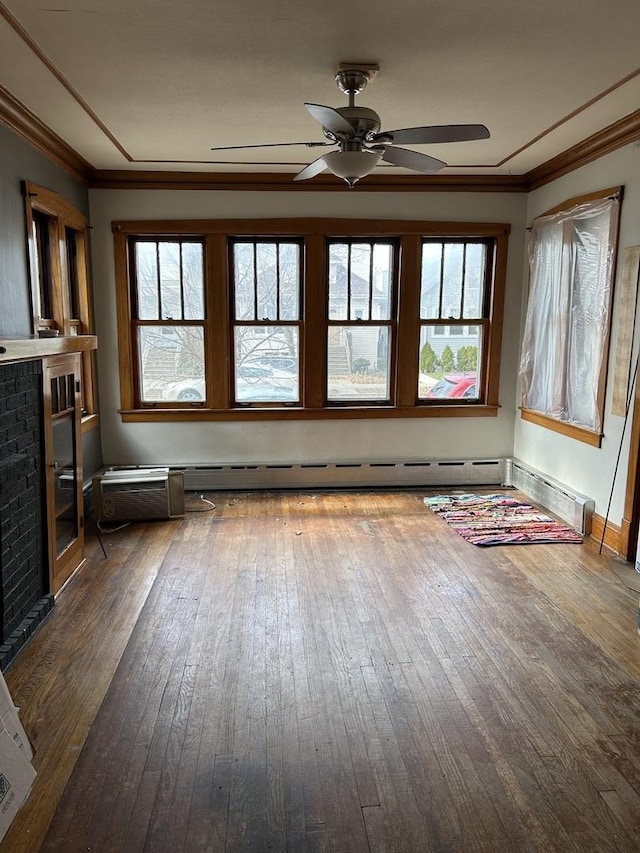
column 16, row 772
column 16, row 778
column 10, row 720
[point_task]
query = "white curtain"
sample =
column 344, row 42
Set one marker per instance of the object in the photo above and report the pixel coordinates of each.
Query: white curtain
column 571, row 260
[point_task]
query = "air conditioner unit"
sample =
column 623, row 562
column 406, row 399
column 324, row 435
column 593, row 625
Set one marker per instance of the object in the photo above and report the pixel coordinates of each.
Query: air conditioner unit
column 137, row 495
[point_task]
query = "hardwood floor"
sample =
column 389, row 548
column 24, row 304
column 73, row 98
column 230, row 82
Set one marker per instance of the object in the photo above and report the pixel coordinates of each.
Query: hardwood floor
column 332, row 672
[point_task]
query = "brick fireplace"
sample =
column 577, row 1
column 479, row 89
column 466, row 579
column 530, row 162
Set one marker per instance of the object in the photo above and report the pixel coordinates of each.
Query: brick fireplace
column 24, row 584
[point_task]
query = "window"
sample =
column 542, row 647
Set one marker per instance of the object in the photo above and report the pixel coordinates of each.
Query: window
column 59, row 272
column 308, row 318
column 564, row 350
column 266, row 278
column 168, row 307
column 454, row 291
column 361, row 328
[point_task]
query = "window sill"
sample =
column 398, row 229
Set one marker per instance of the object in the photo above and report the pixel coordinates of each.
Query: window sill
column 290, row 414
column 89, row 422
column 570, row 430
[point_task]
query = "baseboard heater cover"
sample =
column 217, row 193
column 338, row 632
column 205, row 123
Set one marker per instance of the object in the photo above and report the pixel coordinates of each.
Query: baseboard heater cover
column 571, row 506
column 415, row 473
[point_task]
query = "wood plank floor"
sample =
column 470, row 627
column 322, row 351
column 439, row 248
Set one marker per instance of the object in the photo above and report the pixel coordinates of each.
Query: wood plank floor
column 332, row 672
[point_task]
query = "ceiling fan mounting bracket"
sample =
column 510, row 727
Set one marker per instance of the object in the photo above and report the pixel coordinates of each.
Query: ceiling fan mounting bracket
column 352, row 77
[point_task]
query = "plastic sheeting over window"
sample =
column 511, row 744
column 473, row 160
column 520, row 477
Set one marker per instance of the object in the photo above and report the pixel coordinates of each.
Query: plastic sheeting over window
column 571, row 262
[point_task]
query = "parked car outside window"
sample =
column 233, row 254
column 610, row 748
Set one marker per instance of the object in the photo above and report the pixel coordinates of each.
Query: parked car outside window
column 455, row 385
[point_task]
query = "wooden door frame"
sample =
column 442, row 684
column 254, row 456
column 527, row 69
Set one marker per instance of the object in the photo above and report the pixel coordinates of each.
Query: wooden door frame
column 62, row 566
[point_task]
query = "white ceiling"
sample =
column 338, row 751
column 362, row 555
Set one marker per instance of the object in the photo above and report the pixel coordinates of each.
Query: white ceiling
column 154, row 84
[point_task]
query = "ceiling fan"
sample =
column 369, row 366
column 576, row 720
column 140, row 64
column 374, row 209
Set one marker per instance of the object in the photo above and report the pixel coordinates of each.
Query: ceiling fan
column 361, row 143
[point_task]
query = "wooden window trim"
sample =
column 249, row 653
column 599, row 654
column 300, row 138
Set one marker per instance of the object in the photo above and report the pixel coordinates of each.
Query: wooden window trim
column 61, row 214
column 315, row 233
column 555, row 425
column 597, row 195
column 341, row 413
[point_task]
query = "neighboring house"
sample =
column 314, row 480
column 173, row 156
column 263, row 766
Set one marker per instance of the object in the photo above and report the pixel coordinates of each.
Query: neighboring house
column 351, row 297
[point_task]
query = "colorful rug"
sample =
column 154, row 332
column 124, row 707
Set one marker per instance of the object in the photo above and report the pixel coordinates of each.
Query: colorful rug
column 499, row 520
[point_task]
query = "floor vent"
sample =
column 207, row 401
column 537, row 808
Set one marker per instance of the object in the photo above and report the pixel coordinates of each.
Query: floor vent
column 416, row 473
column 570, row 506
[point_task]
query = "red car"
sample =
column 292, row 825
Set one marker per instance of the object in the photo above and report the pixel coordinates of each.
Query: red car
column 455, row 385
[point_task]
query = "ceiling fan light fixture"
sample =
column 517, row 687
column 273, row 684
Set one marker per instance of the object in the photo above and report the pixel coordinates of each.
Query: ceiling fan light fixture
column 352, row 165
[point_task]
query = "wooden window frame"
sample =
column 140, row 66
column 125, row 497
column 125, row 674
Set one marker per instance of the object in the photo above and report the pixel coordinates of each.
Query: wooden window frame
column 63, row 219
column 543, row 419
column 314, row 233
column 464, row 322
column 390, row 323
column 159, row 322
column 236, row 323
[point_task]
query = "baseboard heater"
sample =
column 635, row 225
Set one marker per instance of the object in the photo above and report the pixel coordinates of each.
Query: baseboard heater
column 569, row 505
column 417, row 473
column 138, row 494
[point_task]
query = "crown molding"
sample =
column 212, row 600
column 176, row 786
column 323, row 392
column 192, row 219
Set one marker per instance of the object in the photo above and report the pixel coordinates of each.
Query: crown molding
column 609, row 139
column 283, row 182
column 24, row 123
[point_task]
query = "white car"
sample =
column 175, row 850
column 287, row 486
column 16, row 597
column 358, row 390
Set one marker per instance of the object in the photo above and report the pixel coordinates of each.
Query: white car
column 254, row 383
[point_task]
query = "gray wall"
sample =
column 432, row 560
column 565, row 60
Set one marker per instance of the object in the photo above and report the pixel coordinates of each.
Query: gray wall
column 19, row 161
column 273, row 442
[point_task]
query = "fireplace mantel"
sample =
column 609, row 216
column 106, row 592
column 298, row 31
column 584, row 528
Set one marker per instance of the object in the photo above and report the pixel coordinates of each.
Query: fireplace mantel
column 34, row 347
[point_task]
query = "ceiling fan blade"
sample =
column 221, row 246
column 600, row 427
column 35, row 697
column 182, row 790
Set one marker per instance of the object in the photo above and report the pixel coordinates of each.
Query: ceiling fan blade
column 331, row 119
column 412, row 160
column 270, row 145
column 434, row 134
column 311, row 170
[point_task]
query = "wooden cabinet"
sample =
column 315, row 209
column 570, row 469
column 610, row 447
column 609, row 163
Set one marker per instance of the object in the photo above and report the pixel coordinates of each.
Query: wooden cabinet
column 63, row 461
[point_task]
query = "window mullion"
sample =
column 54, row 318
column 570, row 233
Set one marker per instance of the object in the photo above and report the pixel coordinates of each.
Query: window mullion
column 442, row 245
column 125, row 306
column 371, row 282
column 496, row 272
column 217, row 338
column 313, row 343
column 278, row 290
column 255, row 281
column 158, row 278
column 462, row 283
column 181, row 282
column 408, row 328
column 349, row 248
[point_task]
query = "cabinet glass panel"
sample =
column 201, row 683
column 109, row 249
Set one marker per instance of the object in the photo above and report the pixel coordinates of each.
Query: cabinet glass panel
column 64, row 464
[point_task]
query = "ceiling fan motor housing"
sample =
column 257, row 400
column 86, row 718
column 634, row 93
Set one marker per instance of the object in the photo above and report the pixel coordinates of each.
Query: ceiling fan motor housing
column 365, row 123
